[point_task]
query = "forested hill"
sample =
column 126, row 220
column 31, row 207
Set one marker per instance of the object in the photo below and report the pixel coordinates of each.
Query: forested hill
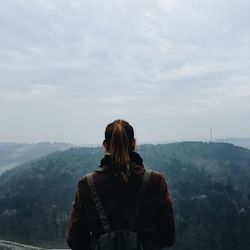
column 223, row 162
column 242, row 142
column 13, row 154
column 210, row 183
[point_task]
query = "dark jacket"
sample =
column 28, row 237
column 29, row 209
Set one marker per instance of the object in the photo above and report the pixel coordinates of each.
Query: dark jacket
column 156, row 220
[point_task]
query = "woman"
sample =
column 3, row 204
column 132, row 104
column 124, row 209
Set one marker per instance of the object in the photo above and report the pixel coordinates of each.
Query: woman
column 118, row 183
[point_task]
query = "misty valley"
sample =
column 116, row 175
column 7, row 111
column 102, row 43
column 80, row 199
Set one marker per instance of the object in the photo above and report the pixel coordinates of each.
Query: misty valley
column 209, row 182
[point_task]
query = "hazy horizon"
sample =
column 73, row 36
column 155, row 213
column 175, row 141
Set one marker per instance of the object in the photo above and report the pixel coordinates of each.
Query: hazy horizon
column 173, row 69
column 139, row 142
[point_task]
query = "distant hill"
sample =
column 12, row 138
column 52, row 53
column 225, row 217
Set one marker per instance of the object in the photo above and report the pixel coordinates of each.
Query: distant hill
column 242, row 142
column 210, row 184
column 13, row 154
column 223, row 162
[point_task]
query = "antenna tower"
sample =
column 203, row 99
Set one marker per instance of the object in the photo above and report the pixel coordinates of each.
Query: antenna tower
column 211, row 134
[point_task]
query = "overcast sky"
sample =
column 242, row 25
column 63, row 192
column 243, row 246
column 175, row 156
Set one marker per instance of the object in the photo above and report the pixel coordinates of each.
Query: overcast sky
column 172, row 68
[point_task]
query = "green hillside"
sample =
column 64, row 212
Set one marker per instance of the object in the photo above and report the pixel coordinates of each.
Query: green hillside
column 210, row 185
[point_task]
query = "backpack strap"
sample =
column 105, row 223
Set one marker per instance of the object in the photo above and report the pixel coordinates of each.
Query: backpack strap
column 98, row 204
column 136, row 207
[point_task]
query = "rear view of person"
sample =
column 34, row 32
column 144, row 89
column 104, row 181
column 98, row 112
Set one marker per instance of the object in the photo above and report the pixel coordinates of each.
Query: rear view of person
column 122, row 205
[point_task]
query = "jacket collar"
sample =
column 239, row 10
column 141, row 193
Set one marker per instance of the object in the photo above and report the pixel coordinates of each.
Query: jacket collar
column 135, row 160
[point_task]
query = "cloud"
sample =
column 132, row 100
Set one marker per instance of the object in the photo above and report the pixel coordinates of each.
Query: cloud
column 140, row 60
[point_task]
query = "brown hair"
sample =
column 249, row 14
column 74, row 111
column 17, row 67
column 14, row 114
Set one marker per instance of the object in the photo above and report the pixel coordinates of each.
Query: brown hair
column 119, row 137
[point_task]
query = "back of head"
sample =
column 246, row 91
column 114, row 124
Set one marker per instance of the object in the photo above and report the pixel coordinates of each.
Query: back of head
column 119, row 140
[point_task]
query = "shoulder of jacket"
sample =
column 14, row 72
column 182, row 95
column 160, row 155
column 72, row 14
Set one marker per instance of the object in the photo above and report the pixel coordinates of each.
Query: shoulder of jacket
column 155, row 173
column 83, row 179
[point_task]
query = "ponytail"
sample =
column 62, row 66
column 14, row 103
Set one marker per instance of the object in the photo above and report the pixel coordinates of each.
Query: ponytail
column 119, row 141
column 119, row 150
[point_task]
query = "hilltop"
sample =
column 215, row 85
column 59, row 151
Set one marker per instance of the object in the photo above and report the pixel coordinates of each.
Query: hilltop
column 241, row 142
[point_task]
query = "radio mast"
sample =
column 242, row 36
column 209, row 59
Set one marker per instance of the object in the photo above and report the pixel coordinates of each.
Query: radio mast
column 211, row 134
